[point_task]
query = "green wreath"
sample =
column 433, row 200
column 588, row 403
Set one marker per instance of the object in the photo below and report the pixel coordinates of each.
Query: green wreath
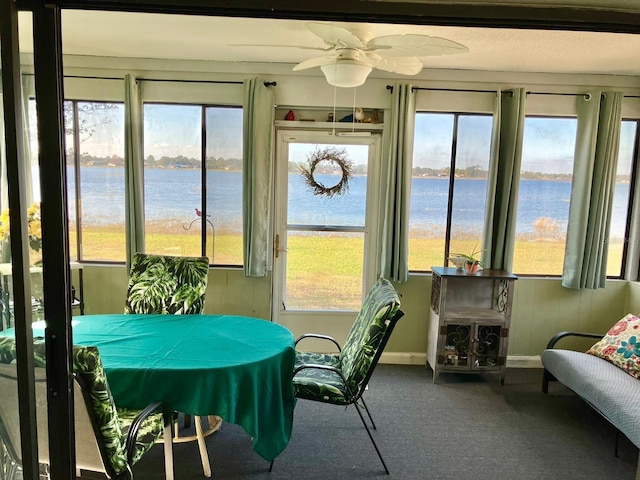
column 338, row 158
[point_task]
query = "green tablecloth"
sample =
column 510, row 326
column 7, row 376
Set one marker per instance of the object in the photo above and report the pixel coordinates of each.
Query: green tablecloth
column 236, row 367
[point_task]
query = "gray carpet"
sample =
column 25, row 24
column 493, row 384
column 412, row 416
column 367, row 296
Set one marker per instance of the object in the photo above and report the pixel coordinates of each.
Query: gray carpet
column 466, row 427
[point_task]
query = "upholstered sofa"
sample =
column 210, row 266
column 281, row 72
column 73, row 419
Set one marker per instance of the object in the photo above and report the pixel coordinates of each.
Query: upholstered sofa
column 608, row 388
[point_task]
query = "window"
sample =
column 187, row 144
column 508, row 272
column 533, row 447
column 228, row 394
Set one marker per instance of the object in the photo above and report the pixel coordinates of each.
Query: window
column 447, row 210
column 94, row 135
column 183, row 195
column 544, row 194
column 618, row 231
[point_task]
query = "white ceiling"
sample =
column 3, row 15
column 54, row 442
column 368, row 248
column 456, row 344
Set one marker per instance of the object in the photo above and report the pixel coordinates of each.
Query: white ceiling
column 210, row 38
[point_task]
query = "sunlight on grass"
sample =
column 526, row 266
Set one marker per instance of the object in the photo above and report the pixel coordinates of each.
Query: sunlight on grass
column 325, row 270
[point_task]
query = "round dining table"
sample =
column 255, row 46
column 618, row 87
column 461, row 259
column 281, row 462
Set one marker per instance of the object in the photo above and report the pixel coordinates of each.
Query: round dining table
column 238, row 368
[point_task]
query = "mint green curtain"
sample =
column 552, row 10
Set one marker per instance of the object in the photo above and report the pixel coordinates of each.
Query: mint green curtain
column 396, row 185
column 594, row 179
column 257, row 175
column 32, row 188
column 134, row 168
column 503, row 182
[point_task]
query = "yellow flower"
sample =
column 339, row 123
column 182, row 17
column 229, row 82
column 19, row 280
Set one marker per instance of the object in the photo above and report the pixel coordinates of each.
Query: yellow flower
column 4, row 224
column 34, row 226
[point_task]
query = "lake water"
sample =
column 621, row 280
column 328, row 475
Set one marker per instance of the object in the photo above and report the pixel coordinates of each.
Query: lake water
column 172, row 195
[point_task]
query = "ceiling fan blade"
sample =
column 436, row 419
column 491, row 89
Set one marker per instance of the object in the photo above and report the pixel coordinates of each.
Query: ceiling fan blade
column 414, row 45
column 335, row 36
column 299, row 47
column 315, row 62
column 401, row 65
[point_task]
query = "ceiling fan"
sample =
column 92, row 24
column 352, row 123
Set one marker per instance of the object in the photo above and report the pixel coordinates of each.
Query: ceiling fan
column 350, row 58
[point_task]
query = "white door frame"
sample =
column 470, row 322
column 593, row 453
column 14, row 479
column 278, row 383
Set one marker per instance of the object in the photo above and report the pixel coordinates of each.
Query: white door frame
column 334, row 323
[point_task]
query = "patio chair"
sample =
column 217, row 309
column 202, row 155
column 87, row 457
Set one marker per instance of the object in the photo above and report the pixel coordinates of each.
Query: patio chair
column 341, row 378
column 109, row 439
column 172, row 285
column 165, row 284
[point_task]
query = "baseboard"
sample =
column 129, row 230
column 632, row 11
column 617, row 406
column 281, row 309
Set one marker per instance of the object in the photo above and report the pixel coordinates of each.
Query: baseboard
column 524, row 361
column 404, row 358
column 418, row 358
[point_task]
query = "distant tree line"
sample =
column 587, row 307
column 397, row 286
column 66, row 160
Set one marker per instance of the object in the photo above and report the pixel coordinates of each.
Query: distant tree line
column 235, row 164
column 163, row 162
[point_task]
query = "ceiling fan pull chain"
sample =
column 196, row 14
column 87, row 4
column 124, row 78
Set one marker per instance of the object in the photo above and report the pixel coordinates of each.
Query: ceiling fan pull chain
column 333, row 124
column 353, row 113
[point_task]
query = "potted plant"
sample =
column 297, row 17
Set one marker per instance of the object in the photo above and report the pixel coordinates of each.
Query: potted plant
column 471, row 263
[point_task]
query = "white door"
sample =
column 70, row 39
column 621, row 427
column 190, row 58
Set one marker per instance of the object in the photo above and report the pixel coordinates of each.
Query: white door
column 325, row 252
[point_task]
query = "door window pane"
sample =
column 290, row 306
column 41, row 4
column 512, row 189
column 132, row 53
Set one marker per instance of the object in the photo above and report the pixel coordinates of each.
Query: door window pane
column 324, row 271
column 325, row 234
column 346, row 209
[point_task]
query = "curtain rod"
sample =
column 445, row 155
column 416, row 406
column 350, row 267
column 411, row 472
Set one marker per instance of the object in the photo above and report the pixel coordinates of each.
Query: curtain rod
column 390, row 88
column 229, row 82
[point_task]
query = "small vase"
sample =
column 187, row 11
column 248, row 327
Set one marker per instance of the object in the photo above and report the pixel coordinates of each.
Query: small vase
column 472, row 267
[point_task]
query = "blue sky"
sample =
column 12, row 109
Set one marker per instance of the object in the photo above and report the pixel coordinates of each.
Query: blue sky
column 174, row 130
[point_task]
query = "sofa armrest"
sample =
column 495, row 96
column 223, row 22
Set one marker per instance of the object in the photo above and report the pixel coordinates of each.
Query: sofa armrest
column 559, row 336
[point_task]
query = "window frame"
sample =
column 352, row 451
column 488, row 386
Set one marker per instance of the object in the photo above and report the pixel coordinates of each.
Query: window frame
column 635, row 171
column 77, row 178
column 452, row 172
column 203, row 169
column 543, row 116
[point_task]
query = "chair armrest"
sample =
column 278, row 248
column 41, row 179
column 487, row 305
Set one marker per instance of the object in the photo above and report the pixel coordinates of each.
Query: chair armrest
column 132, row 435
column 559, row 336
column 321, row 337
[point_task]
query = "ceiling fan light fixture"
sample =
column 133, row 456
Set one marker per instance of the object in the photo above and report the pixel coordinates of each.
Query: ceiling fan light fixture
column 346, row 74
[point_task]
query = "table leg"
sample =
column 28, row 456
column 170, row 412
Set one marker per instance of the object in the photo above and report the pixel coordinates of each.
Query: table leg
column 81, row 281
column 168, row 446
column 204, row 455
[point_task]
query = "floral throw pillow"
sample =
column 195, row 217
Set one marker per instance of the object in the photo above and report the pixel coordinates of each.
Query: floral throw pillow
column 621, row 345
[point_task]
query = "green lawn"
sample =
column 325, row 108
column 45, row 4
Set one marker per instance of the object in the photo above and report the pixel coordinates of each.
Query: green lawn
column 325, row 271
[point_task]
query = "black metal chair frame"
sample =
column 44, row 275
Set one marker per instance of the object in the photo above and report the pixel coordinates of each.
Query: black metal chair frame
column 353, row 397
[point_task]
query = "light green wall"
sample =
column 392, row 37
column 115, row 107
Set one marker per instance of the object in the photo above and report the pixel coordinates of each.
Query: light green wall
column 542, row 307
column 228, row 291
column 634, row 298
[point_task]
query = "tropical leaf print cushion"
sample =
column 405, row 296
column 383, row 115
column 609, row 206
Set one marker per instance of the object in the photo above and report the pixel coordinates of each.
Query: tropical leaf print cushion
column 167, row 285
column 368, row 330
column 356, row 357
column 112, row 423
column 8, row 352
column 317, row 384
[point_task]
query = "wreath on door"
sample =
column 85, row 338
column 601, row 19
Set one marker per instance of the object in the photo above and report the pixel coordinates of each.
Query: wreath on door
column 327, row 160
